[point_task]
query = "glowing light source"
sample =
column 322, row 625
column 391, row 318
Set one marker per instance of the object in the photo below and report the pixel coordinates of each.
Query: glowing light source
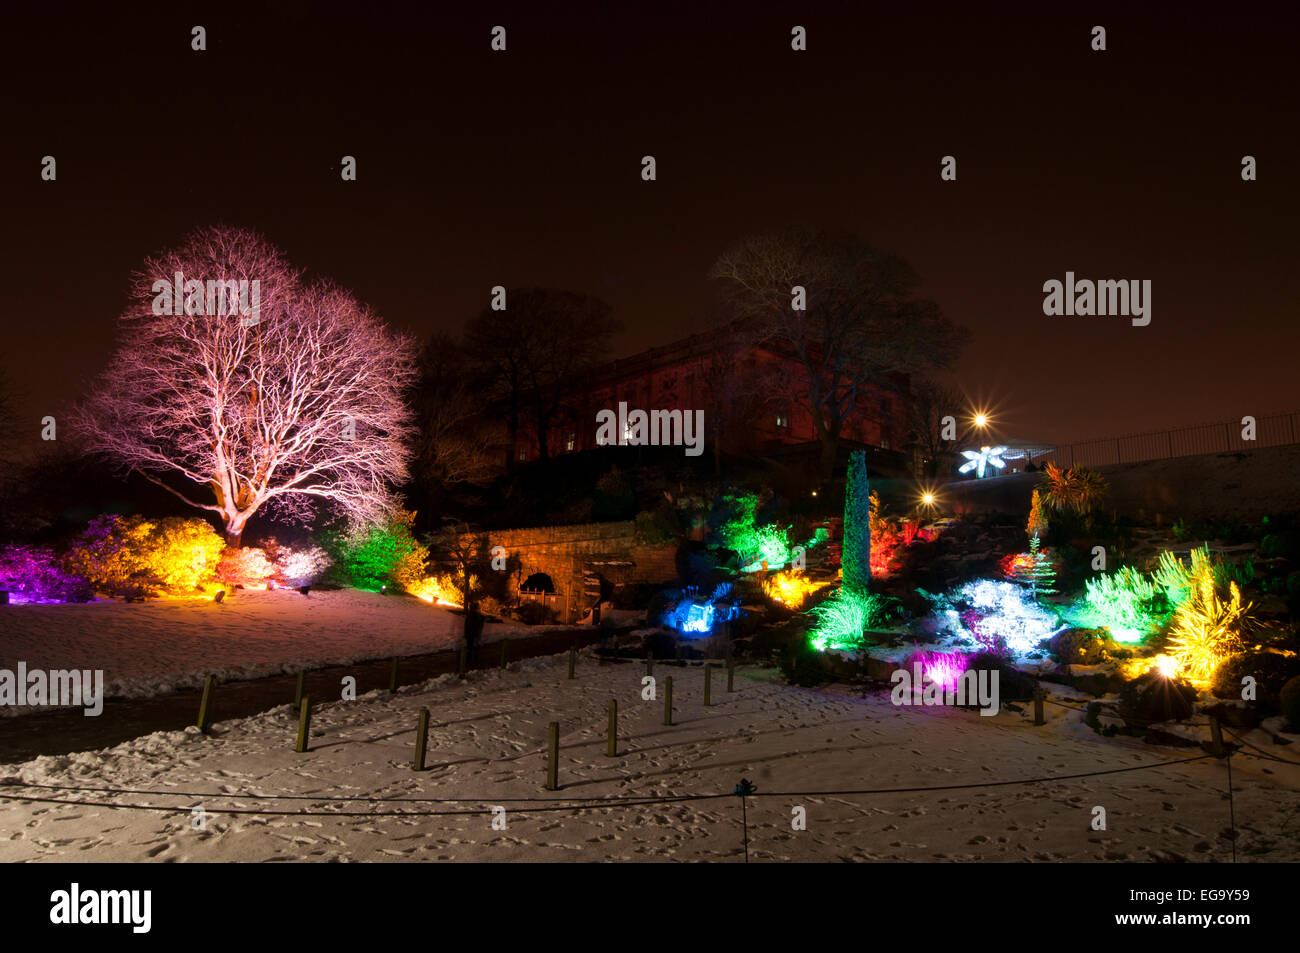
column 435, row 591
column 980, row 460
column 697, row 615
column 927, row 499
column 981, row 420
column 790, row 588
column 1166, row 665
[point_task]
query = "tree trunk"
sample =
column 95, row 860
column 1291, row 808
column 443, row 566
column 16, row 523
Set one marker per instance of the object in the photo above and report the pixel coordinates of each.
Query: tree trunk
column 543, row 436
column 830, row 444
column 234, row 537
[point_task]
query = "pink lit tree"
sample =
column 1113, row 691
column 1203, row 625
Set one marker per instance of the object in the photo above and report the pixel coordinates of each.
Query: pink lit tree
column 299, row 402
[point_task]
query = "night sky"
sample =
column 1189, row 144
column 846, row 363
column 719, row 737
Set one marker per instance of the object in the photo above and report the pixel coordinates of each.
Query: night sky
column 478, row 168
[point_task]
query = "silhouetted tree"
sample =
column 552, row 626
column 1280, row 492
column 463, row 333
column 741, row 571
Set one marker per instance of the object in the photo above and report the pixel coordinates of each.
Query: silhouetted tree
column 861, row 324
column 537, row 348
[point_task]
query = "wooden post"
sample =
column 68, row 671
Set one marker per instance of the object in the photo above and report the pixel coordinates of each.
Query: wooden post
column 731, row 675
column 1038, row 707
column 504, row 643
column 205, row 704
column 649, row 661
column 464, row 660
column 298, row 692
column 573, row 660
column 612, row 749
column 668, row 700
column 553, row 756
column 708, row 684
column 392, row 677
column 1216, row 737
column 304, row 724
column 421, row 739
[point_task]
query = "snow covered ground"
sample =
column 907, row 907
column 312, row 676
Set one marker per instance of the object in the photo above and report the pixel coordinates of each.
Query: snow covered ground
column 486, row 749
column 157, row 647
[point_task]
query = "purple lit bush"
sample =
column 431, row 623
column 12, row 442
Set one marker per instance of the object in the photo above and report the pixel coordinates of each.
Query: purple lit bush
column 943, row 668
column 36, row 574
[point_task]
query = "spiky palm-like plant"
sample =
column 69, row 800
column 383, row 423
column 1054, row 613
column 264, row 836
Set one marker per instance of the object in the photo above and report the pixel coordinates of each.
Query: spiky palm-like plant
column 1206, row 629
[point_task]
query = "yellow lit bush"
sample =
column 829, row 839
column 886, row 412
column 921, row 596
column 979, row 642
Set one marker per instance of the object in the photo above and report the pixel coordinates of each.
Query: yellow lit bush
column 1206, row 629
column 444, row 589
column 131, row 555
column 789, row 588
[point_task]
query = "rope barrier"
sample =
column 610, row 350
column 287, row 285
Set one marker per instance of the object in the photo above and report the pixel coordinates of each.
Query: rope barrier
column 587, row 803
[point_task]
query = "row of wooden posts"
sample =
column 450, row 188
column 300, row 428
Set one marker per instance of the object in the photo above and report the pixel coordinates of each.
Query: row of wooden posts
column 302, row 702
column 611, row 745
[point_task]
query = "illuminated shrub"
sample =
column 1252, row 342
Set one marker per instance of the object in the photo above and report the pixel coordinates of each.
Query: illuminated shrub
column 369, row 557
column 1178, row 578
column 128, row 555
column 999, row 615
column 1206, row 629
column 444, row 589
column 856, row 554
column 942, row 668
column 301, row 566
column 1126, row 602
column 737, row 528
column 36, row 574
column 842, row 620
column 248, row 567
column 694, row 614
column 1076, row 490
column 790, row 587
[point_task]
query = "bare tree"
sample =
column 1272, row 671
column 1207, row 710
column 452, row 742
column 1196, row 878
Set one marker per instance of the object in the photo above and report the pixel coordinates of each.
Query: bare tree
column 538, row 346
column 928, row 403
column 299, row 403
column 860, row 325
column 455, row 443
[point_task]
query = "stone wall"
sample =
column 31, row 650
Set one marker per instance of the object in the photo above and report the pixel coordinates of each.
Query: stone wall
column 1244, row 486
column 572, row 556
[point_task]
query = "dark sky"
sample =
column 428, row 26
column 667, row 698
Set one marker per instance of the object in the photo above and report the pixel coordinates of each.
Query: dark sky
column 478, row 168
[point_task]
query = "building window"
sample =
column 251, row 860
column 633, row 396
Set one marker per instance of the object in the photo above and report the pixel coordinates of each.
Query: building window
column 523, row 454
column 571, row 442
column 783, row 419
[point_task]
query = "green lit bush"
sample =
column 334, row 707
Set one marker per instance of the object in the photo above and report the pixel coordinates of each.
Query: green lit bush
column 368, row 557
